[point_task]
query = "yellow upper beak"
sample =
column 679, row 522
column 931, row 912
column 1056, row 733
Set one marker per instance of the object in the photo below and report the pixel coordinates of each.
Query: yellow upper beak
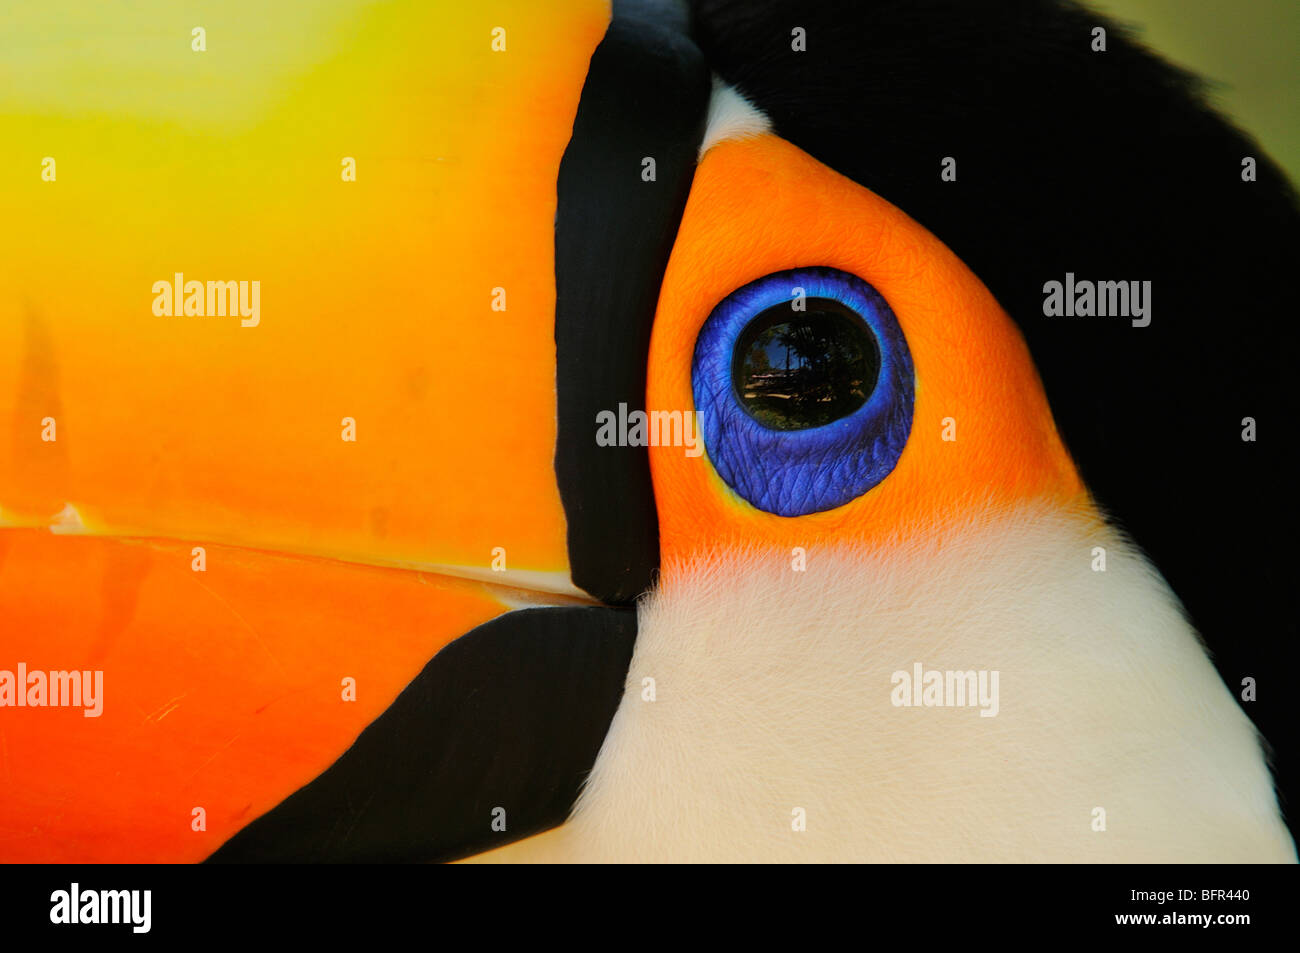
column 386, row 393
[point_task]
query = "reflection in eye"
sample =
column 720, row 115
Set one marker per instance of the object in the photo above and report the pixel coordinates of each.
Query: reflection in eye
column 803, row 409
column 793, row 370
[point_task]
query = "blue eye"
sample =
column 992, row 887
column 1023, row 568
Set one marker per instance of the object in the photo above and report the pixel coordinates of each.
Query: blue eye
column 803, row 384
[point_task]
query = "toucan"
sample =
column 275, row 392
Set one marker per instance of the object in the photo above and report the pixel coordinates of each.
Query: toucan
column 640, row 431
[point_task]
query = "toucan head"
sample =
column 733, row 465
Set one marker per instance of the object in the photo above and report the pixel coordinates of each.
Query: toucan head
column 398, row 426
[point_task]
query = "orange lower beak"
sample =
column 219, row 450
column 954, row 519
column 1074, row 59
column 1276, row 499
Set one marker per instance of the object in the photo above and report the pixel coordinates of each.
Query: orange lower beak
column 217, row 693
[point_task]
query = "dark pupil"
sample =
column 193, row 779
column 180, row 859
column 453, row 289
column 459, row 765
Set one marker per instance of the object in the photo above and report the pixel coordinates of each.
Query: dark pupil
column 798, row 369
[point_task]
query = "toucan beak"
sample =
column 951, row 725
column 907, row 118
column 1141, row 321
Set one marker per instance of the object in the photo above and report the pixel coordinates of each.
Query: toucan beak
column 279, row 424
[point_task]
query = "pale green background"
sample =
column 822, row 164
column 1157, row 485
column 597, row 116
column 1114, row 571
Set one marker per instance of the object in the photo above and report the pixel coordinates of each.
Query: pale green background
column 1249, row 49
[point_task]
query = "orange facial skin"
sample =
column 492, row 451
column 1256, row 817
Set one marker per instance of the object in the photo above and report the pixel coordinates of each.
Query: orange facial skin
column 761, row 205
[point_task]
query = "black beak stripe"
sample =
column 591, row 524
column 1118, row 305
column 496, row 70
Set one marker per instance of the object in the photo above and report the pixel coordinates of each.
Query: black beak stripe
column 646, row 97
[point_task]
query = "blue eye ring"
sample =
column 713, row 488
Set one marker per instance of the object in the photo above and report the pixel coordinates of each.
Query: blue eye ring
column 802, row 471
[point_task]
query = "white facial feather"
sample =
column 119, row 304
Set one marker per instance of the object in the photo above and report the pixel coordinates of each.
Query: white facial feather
column 773, row 695
column 731, row 116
